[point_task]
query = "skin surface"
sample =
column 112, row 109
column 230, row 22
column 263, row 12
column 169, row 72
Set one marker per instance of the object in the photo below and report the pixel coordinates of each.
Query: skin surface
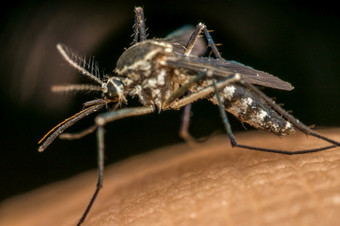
column 204, row 184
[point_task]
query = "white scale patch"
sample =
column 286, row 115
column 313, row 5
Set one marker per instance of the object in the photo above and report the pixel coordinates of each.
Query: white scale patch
column 138, row 65
column 240, row 107
column 168, row 47
column 156, row 82
column 152, row 83
column 161, row 77
column 288, row 126
column 247, row 102
column 144, row 64
column 228, row 92
column 259, row 120
column 261, row 115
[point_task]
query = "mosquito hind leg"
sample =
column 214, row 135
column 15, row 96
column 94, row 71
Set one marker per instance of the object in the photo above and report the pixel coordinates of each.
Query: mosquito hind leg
column 194, row 37
column 139, row 26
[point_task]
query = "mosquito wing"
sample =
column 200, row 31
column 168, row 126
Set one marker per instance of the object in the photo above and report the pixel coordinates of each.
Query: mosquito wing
column 222, row 68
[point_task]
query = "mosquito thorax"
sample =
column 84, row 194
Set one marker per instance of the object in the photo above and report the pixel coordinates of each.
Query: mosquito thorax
column 113, row 89
column 139, row 60
column 145, row 72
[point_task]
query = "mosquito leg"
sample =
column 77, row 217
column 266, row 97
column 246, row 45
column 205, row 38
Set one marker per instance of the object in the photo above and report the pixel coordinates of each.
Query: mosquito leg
column 211, row 43
column 184, row 131
column 235, row 144
column 139, row 26
column 187, row 100
column 73, row 136
column 305, row 129
column 101, row 121
column 183, row 89
column 194, row 37
column 100, row 158
column 176, row 104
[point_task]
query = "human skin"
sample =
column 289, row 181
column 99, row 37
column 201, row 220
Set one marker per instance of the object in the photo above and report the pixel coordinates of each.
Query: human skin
column 206, row 184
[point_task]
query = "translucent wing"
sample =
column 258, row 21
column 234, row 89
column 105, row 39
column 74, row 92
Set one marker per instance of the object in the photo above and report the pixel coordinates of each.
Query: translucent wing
column 222, row 68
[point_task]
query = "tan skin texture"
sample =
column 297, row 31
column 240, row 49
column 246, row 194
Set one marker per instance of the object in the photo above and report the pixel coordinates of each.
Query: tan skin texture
column 210, row 184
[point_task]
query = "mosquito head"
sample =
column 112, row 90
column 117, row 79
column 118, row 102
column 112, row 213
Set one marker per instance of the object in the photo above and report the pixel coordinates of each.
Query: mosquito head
column 113, row 89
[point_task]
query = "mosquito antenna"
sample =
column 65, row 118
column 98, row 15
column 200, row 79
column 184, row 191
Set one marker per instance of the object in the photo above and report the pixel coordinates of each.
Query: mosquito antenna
column 75, row 88
column 89, row 69
column 58, row 129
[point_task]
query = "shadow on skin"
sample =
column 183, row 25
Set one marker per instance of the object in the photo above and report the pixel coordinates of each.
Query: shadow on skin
column 209, row 184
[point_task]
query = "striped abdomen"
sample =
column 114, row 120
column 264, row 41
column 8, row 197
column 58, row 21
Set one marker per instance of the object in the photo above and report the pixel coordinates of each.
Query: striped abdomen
column 252, row 109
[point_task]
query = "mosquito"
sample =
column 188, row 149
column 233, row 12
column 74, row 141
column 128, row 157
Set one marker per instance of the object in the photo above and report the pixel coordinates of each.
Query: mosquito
column 168, row 74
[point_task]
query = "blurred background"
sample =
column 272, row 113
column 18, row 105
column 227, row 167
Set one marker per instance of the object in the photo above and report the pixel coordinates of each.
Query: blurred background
column 295, row 41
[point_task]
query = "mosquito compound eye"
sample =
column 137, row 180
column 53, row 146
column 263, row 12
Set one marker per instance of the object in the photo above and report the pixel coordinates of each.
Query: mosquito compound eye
column 113, row 89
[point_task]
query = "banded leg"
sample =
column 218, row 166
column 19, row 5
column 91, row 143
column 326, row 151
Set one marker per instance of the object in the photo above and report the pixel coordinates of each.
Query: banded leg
column 101, row 121
column 235, row 144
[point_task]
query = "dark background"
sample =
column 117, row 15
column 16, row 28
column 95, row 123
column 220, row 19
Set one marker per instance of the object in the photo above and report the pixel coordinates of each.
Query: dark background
column 295, row 41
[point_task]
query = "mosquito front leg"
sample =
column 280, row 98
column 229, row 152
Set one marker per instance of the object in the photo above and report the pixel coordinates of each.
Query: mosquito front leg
column 101, row 121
